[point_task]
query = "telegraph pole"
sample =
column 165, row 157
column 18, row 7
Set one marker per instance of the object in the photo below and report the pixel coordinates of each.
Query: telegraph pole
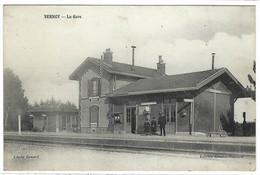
column 19, row 112
column 19, row 125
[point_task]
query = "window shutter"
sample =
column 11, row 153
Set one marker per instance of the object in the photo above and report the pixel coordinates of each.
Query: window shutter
column 99, row 86
column 89, row 88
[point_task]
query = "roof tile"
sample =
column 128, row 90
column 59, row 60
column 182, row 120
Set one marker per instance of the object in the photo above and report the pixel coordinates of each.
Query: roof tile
column 187, row 80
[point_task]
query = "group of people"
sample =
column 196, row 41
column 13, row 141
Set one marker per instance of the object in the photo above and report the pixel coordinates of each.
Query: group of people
column 152, row 126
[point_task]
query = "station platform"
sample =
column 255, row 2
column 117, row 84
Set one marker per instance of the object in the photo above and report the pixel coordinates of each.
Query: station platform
column 184, row 143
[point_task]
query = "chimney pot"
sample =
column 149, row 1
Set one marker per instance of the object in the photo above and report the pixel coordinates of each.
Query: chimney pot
column 160, row 59
column 161, row 65
column 108, row 57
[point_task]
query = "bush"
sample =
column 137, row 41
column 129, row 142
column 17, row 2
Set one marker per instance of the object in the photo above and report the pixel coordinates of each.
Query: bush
column 27, row 126
column 35, row 130
column 245, row 129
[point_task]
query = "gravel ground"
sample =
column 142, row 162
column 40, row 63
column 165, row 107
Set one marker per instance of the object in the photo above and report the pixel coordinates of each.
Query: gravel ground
column 46, row 157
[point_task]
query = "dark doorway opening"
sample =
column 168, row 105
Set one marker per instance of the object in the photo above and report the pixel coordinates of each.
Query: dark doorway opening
column 133, row 120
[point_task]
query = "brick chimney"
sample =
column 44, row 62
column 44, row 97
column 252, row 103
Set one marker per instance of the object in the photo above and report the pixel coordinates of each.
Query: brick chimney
column 161, row 65
column 108, row 57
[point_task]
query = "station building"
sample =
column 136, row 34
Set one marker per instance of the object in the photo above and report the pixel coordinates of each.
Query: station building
column 118, row 98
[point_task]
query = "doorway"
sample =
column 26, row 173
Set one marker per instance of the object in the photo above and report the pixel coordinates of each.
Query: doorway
column 94, row 115
column 64, row 123
column 184, row 117
column 169, row 112
column 131, row 118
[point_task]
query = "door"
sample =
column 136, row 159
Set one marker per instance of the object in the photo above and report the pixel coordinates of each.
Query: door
column 169, row 112
column 64, row 118
column 94, row 114
column 131, row 119
column 183, row 120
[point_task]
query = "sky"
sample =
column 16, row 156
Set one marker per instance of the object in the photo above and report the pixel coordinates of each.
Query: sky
column 44, row 52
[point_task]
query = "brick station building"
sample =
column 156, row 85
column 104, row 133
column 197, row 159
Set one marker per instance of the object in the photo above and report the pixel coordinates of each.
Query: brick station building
column 116, row 97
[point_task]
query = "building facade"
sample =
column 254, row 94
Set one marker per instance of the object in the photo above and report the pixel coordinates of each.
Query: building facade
column 99, row 77
column 118, row 98
column 55, row 120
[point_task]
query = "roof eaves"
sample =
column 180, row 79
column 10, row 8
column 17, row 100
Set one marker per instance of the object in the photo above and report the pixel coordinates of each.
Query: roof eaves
column 152, row 91
column 215, row 75
column 210, row 78
column 235, row 80
column 74, row 73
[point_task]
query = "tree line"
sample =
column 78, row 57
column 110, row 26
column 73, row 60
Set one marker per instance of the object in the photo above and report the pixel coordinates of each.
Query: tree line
column 16, row 103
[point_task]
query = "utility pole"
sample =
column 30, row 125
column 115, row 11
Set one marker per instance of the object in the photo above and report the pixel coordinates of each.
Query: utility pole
column 19, row 112
column 19, row 125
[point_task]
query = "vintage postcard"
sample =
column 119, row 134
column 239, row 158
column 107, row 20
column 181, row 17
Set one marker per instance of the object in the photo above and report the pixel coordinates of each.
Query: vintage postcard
column 129, row 88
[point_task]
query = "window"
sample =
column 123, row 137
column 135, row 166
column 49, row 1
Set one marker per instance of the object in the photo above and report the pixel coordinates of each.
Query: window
column 169, row 113
column 168, row 100
column 128, row 115
column 95, row 87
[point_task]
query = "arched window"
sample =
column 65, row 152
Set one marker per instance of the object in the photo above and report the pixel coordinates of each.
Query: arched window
column 94, row 116
column 94, row 87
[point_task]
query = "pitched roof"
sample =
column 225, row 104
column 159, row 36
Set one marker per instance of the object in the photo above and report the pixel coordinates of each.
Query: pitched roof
column 119, row 68
column 172, row 83
column 59, row 108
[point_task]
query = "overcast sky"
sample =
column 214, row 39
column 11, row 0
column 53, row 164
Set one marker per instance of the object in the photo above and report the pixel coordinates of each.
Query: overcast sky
column 44, row 52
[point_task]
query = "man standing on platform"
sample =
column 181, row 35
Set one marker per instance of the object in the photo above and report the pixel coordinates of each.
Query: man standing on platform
column 153, row 126
column 162, row 123
column 146, row 127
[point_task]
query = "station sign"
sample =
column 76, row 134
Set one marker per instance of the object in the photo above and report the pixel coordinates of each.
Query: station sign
column 188, row 100
column 149, row 103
